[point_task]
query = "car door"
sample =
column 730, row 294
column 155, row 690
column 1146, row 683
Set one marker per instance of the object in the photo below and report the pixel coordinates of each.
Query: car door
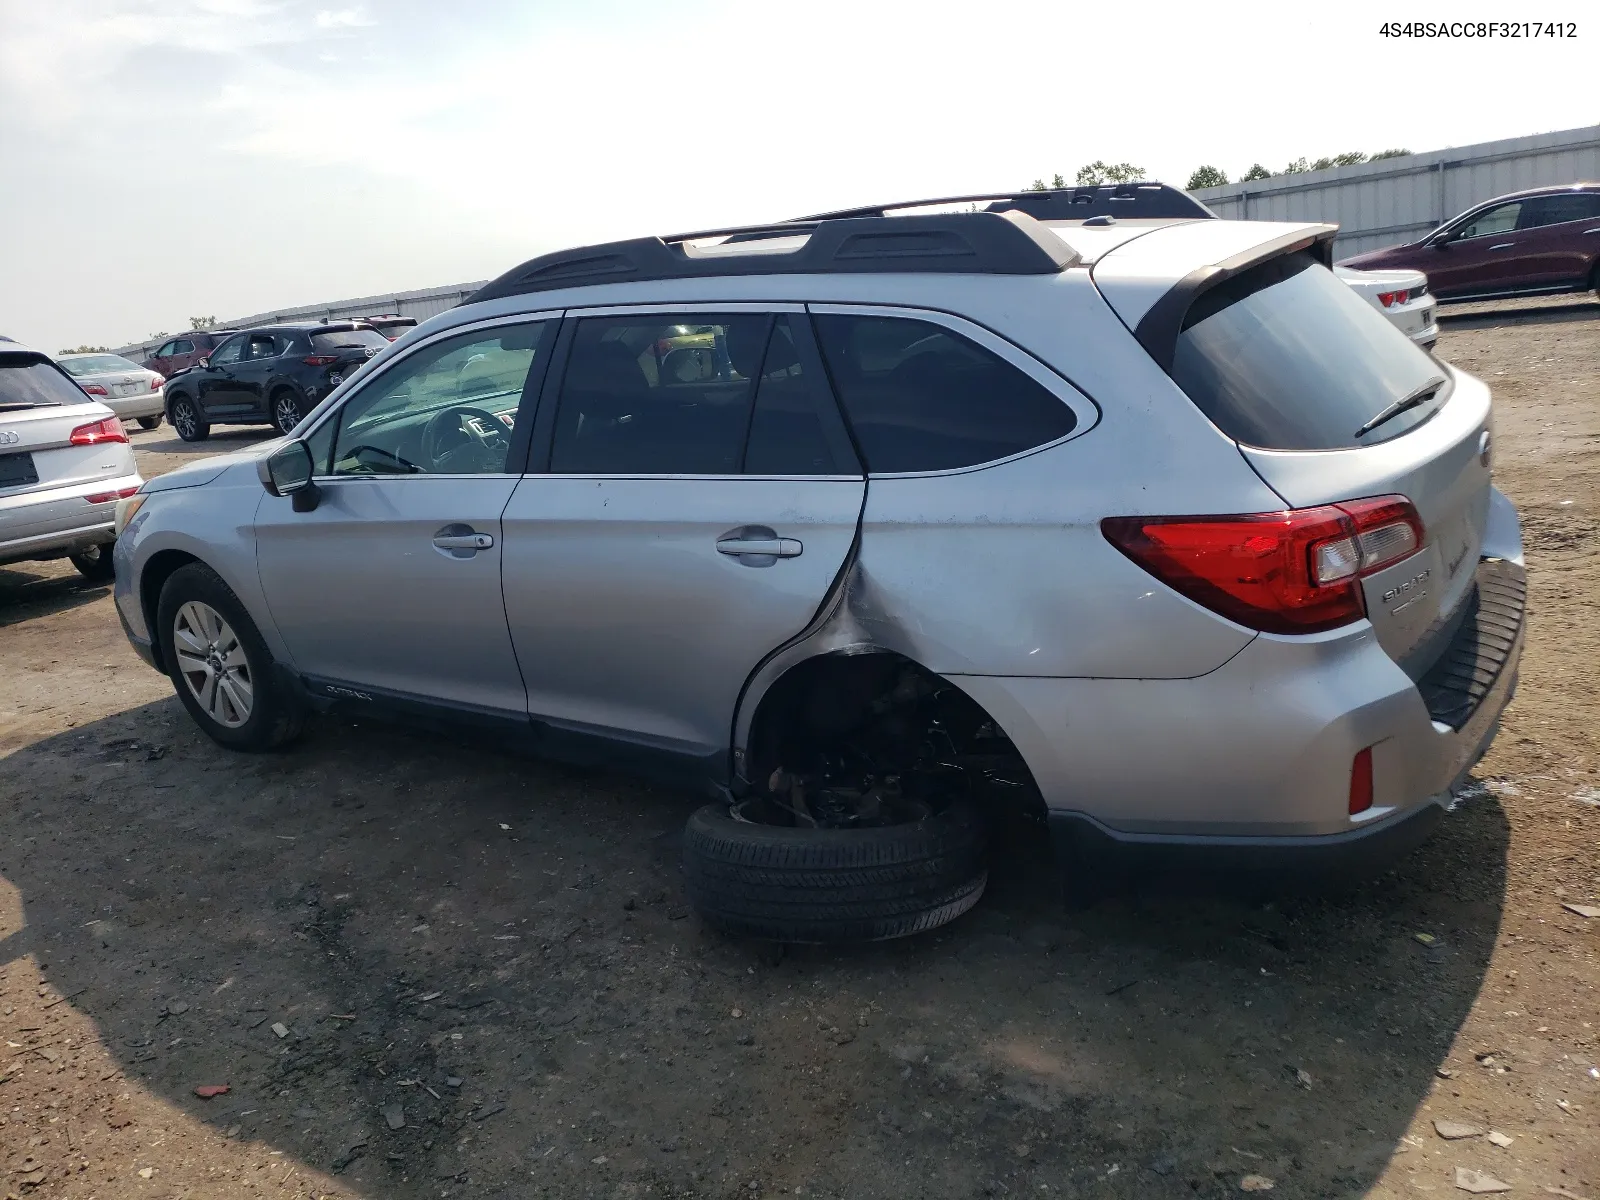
column 1477, row 257
column 389, row 590
column 216, row 382
column 161, row 360
column 694, row 498
column 256, row 364
column 1558, row 239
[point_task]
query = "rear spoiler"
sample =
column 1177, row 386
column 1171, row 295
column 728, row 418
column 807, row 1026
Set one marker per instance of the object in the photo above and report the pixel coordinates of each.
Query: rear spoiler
column 1158, row 329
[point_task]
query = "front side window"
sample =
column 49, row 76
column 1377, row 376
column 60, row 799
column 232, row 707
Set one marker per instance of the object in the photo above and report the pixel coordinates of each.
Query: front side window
column 447, row 409
column 658, row 394
column 921, row 397
column 169, row 349
column 1500, row 219
column 229, row 351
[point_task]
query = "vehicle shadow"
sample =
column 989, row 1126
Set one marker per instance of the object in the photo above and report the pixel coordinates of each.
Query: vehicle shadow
column 502, row 949
column 30, row 590
column 1544, row 314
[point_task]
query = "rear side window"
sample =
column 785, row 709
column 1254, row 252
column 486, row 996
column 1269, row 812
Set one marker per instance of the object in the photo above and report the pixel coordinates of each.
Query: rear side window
column 29, row 383
column 351, row 339
column 1287, row 357
column 658, row 394
column 1559, row 209
column 795, row 429
column 920, row 397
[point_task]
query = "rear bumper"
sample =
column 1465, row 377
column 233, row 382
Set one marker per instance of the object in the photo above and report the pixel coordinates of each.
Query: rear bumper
column 131, row 408
column 59, row 521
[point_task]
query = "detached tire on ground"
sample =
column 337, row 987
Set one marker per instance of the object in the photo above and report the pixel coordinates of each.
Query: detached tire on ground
column 786, row 884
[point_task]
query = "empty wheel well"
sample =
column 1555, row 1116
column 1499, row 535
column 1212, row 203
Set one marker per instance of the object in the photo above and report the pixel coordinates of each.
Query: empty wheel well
column 156, row 573
column 878, row 716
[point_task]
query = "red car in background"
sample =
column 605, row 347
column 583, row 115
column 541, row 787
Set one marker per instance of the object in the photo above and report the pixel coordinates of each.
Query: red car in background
column 1527, row 243
column 183, row 351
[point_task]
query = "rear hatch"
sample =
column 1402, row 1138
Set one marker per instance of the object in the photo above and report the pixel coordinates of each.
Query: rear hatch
column 40, row 408
column 1329, row 402
column 340, row 352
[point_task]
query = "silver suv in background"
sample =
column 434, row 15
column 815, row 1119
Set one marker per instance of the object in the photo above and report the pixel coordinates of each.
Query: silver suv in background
column 1080, row 501
column 65, row 462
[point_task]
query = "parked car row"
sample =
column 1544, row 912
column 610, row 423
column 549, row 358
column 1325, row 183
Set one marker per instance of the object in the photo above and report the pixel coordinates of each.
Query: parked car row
column 866, row 522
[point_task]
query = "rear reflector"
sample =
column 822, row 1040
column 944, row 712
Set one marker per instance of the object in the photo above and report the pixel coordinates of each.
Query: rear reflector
column 1361, row 782
column 108, row 497
column 1298, row 571
column 109, row 430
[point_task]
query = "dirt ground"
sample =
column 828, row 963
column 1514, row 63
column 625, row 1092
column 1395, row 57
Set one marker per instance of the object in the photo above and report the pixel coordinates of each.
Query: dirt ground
column 425, row 969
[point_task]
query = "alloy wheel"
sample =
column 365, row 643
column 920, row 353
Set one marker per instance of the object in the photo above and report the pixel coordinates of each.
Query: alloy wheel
column 213, row 663
column 184, row 418
column 287, row 413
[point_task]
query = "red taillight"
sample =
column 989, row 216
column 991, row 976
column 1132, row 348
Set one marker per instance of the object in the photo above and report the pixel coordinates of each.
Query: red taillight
column 1287, row 572
column 320, row 360
column 109, row 430
column 94, row 389
column 1390, row 299
column 1361, row 781
column 107, row 497
column 155, row 383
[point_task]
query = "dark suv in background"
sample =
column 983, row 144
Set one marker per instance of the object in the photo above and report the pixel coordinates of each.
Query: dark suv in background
column 182, row 352
column 1525, row 243
column 273, row 374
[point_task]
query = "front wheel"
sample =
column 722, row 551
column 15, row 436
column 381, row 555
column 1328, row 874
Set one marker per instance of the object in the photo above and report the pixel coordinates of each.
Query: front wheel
column 187, row 421
column 219, row 665
column 787, row 884
column 94, row 563
column 149, row 422
column 286, row 412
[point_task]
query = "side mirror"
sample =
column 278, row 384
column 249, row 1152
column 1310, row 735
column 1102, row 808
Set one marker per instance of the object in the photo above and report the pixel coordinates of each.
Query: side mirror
column 205, row 362
column 287, row 472
column 1444, row 239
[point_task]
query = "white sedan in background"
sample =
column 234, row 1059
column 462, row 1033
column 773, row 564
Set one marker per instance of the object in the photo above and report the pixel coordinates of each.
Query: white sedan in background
column 1402, row 296
column 126, row 388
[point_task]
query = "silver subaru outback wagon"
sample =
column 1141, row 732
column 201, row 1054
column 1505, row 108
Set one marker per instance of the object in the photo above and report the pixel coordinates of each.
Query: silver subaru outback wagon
column 1082, row 500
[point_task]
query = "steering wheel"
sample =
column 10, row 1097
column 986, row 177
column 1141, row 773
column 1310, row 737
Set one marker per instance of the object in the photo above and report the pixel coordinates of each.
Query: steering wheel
column 452, row 431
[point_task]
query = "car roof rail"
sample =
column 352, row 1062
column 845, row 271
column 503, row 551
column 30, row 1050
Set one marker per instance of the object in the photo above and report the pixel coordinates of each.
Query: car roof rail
column 1145, row 199
column 997, row 243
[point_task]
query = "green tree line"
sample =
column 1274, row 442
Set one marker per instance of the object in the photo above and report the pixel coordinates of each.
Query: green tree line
column 1206, row 176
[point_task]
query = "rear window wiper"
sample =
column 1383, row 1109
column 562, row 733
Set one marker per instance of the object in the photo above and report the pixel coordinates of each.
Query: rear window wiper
column 1413, row 398
column 19, row 405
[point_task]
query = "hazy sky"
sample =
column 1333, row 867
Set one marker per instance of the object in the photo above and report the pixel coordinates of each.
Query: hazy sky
column 164, row 158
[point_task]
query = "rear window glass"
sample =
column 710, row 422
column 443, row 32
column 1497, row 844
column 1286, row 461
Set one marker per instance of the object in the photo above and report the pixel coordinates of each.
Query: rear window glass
column 1287, row 357
column 920, row 397
column 29, row 383
column 349, row 339
column 95, row 364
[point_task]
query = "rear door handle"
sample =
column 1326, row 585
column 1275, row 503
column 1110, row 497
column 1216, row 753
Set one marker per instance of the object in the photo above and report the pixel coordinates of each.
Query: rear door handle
column 758, row 546
column 1503, row 246
column 461, row 541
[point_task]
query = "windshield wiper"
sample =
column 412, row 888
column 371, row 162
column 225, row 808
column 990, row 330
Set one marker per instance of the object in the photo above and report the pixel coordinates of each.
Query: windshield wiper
column 1413, row 398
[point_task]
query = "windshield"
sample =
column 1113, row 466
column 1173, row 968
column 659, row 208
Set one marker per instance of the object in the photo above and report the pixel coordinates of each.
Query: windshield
column 96, row 364
column 25, row 382
column 348, row 339
column 1287, row 357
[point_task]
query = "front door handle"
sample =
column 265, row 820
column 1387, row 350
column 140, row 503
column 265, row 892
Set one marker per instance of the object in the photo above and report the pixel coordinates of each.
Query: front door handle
column 461, row 541
column 758, row 546
column 1503, row 246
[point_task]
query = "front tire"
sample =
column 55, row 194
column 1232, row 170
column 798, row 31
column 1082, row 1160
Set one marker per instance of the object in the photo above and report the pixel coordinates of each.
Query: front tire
column 94, row 564
column 788, row 884
column 186, row 419
column 220, row 666
column 149, row 422
column 286, row 412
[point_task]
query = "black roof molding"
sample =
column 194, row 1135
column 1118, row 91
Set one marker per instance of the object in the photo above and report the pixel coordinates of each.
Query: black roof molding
column 994, row 243
column 1144, row 198
column 1159, row 328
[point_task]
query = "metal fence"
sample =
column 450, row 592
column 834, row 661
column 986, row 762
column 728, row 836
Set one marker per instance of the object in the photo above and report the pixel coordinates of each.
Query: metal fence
column 420, row 304
column 1399, row 199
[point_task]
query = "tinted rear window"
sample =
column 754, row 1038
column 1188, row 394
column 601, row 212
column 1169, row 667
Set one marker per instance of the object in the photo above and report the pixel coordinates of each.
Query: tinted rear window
column 1287, row 357
column 94, row 364
column 350, row 339
column 921, row 397
column 29, row 383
